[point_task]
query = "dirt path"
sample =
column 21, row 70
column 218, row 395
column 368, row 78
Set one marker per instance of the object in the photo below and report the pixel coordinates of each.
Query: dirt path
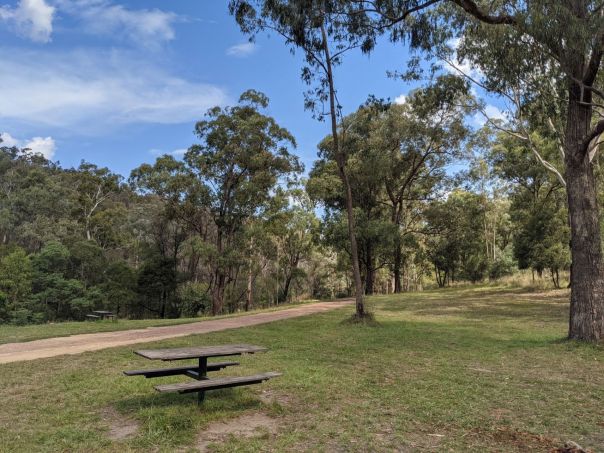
column 76, row 344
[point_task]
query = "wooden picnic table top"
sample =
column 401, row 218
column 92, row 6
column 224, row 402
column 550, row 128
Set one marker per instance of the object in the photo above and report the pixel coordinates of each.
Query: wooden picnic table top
column 200, row 351
column 103, row 312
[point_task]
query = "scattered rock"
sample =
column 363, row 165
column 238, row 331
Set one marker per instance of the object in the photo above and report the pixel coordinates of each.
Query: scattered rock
column 248, row 426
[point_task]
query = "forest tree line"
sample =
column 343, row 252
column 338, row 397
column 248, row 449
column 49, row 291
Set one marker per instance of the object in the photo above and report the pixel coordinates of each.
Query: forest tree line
column 233, row 225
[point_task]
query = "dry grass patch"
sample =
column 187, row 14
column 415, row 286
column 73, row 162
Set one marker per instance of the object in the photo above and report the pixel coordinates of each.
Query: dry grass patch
column 120, row 427
column 243, row 427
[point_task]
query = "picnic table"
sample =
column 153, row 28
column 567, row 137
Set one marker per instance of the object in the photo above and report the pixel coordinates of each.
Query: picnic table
column 199, row 371
column 101, row 314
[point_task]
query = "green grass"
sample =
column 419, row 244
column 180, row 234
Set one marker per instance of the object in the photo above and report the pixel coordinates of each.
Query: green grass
column 459, row 370
column 18, row 334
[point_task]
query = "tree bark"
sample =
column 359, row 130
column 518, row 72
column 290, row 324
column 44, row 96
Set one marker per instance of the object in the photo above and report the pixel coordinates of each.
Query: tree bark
column 219, row 279
column 249, row 298
column 369, row 271
column 587, row 269
column 398, row 260
column 341, row 162
column 218, row 292
column 285, row 292
column 249, row 292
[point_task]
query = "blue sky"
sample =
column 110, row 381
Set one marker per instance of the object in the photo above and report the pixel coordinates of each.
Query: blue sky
column 118, row 82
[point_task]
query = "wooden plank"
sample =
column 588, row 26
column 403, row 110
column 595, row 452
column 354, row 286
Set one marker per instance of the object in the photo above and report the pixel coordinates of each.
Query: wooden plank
column 160, row 372
column 218, row 383
column 200, row 351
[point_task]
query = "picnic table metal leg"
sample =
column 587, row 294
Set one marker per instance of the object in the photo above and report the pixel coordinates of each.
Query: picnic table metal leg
column 202, row 374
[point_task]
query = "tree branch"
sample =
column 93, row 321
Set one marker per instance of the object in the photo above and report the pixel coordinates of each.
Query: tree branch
column 591, row 141
column 470, row 7
column 594, row 62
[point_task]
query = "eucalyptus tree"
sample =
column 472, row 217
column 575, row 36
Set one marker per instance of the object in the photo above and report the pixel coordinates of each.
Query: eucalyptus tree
column 315, row 27
column 538, row 210
column 295, row 231
column 15, row 285
column 93, row 188
column 366, row 168
column 456, row 245
column 228, row 178
column 418, row 139
column 560, row 45
column 243, row 154
column 33, row 200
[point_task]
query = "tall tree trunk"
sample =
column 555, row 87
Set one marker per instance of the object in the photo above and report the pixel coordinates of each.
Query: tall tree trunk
column 587, row 271
column 370, row 271
column 88, row 234
column 285, row 292
column 341, row 162
column 249, row 297
column 218, row 292
column 219, row 279
column 370, row 281
column 396, row 268
column 162, row 304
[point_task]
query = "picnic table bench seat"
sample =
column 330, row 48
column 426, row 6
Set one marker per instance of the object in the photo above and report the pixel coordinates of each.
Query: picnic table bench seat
column 188, row 370
column 200, row 371
column 217, row 383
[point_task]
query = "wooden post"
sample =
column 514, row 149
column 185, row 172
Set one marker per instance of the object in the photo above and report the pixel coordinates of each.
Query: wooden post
column 202, row 374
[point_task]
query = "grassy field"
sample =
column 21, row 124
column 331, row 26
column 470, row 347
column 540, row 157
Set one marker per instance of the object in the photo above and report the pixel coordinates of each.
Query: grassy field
column 465, row 369
column 18, row 334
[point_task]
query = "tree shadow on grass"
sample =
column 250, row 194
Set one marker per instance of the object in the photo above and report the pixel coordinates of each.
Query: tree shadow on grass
column 551, row 311
column 485, row 305
column 215, row 401
column 461, row 337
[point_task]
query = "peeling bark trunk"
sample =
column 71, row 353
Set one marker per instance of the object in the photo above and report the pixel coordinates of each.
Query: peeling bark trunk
column 587, row 271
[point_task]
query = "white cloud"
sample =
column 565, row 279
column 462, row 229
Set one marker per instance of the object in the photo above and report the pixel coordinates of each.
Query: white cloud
column 8, row 140
column 241, row 50
column 45, row 146
column 103, row 17
column 179, row 153
column 146, row 27
column 94, row 91
column 31, row 18
column 401, row 99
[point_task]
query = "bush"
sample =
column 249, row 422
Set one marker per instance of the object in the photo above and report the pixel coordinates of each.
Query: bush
column 23, row 316
column 502, row 267
column 194, row 299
